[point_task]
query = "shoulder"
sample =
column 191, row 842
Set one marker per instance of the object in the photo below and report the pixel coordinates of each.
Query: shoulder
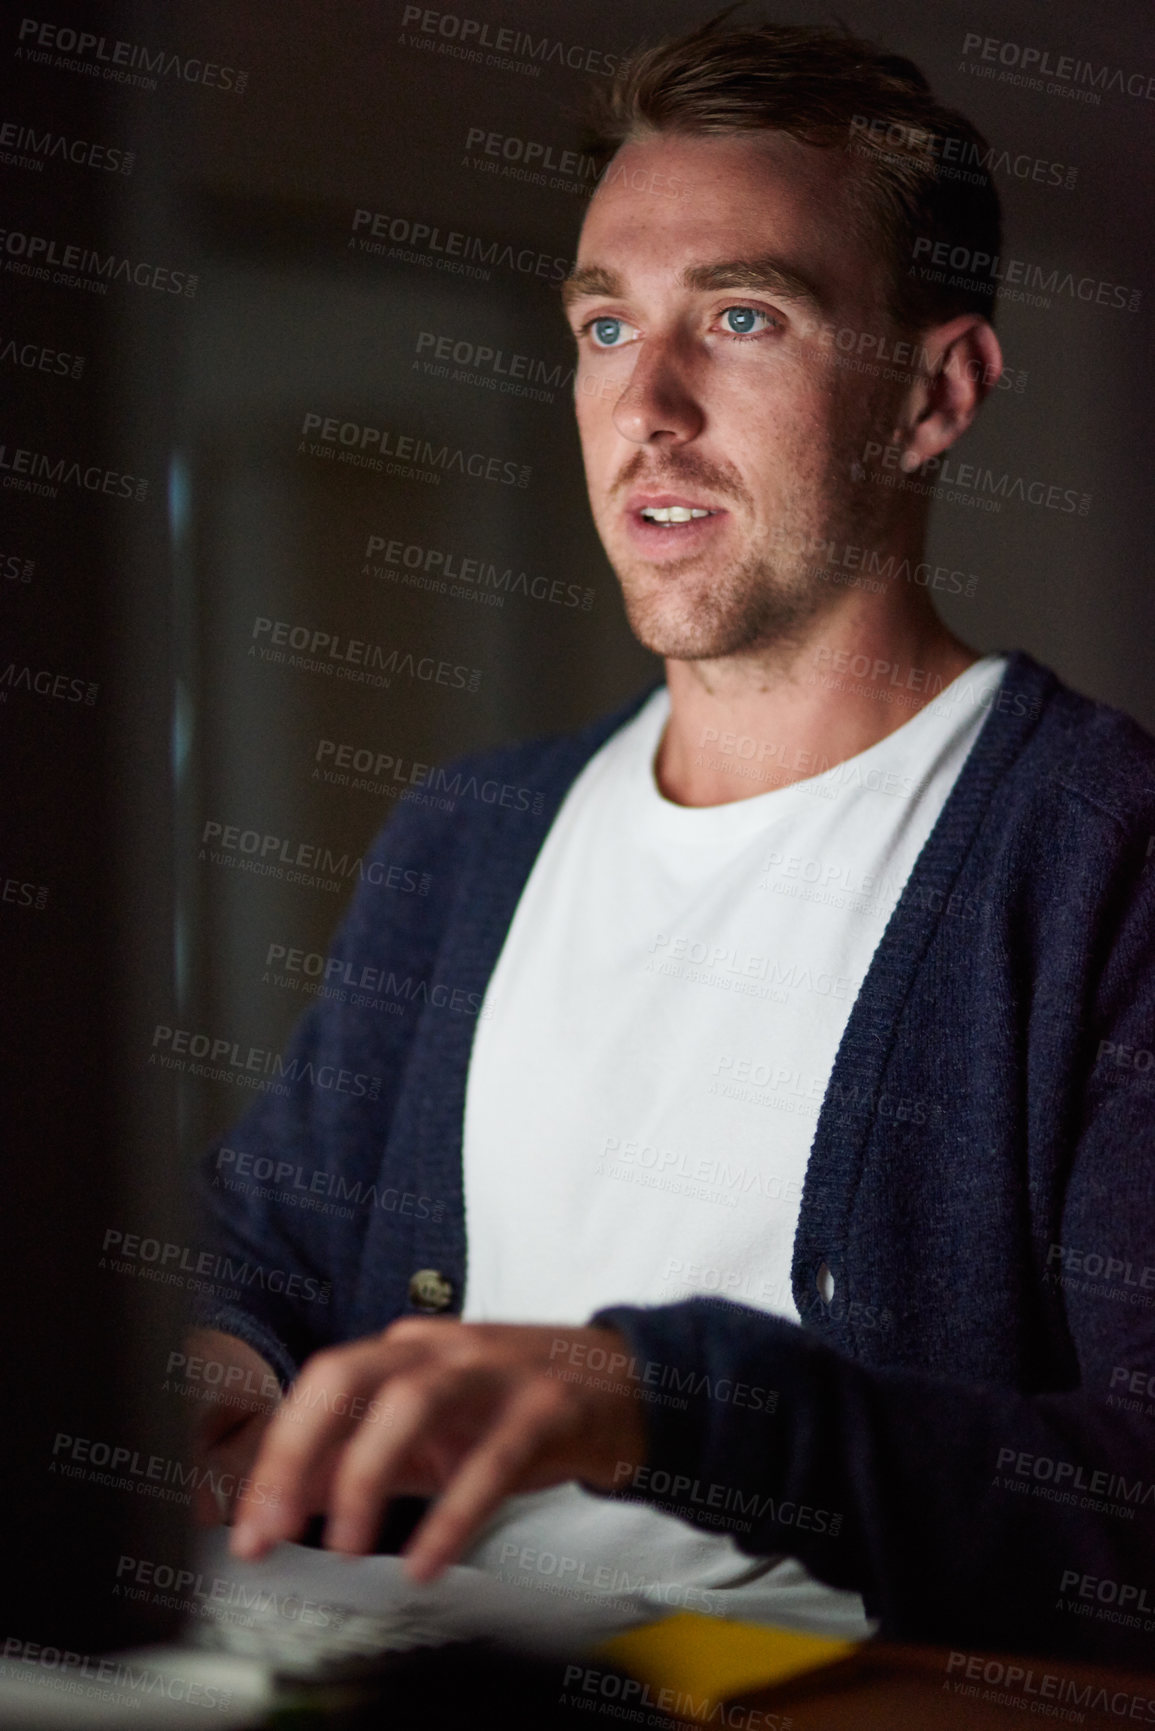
column 508, row 788
column 1084, row 748
column 557, row 757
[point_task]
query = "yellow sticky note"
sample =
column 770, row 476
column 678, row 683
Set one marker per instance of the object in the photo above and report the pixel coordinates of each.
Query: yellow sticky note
column 705, row 1660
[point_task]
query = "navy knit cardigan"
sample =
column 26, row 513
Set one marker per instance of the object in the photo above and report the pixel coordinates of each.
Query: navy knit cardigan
column 964, row 1424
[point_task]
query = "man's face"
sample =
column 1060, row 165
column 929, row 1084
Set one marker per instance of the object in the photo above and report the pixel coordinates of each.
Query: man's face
column 705, row 381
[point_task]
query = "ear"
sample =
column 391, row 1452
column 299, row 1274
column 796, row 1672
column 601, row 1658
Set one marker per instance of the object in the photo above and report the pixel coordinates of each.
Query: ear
column 962, row 360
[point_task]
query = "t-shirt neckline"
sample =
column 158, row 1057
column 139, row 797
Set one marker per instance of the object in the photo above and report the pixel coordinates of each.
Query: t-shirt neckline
column 922, row 737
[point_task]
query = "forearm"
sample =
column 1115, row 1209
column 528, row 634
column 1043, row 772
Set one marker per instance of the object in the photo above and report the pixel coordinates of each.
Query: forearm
column 253, row 1281
column 236, row 1391
column 228, row 1376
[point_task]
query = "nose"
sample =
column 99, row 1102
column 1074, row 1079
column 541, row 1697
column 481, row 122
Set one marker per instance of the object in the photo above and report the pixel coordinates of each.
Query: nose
column 657, row 404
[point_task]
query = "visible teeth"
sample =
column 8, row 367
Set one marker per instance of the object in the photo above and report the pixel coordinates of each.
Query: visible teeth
column 672, row 513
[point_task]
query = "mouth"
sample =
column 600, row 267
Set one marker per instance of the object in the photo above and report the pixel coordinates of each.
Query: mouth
column 672, row 513
column 663, row 523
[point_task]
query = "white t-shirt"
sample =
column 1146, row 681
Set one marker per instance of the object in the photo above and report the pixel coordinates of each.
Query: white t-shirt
column 649, row 1066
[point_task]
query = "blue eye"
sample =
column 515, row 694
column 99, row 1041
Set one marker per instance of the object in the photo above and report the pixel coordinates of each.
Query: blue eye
column 606, row 332
column 742, row 320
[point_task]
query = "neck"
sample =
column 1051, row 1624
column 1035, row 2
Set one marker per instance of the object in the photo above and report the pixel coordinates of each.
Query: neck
column 747, row 723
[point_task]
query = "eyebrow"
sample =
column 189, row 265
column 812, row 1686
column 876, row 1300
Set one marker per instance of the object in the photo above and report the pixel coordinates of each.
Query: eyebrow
column 764, row 272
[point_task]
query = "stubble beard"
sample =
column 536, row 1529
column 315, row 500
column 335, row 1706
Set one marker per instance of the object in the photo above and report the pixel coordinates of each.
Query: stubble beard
column 750, row 605
column 767, row 597
column 762, row 601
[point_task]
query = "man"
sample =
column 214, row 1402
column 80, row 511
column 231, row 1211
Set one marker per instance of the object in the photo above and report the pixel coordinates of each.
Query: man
column 849, row 1039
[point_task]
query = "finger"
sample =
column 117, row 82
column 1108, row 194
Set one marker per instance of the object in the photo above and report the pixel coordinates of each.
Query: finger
column 295, row 1468
column 207, row 1510
column 530, row 1427
column 314, row 1418
column 406, row 1412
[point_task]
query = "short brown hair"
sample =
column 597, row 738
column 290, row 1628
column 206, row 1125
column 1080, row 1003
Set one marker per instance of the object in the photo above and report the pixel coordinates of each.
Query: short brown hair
column 923, row 173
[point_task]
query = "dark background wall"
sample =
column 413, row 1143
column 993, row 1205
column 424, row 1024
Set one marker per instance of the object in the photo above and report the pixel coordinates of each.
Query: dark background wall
column 247, row 168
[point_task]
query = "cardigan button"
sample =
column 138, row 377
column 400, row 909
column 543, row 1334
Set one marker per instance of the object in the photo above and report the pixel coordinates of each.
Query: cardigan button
column 429, row 1290
column 824, row 1281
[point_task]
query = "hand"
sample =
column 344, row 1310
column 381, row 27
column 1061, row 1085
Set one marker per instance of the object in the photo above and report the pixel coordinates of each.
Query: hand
column 241, row 1393
column 465, row 1412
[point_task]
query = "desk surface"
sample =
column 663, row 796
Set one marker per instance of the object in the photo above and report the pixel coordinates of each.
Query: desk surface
column 879, row 1688
column 470, row 1686
column 887, row 1688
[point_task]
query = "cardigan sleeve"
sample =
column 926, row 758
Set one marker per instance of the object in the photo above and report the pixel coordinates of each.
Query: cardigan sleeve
column 1005, row 1517
column 961, row 1514
column 280, row 1197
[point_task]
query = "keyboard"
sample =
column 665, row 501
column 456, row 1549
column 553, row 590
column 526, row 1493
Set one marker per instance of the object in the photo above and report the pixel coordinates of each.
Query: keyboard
column 339, row 1644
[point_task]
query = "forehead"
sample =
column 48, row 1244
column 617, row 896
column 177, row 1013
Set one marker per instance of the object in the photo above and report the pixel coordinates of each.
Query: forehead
column 674, row 200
